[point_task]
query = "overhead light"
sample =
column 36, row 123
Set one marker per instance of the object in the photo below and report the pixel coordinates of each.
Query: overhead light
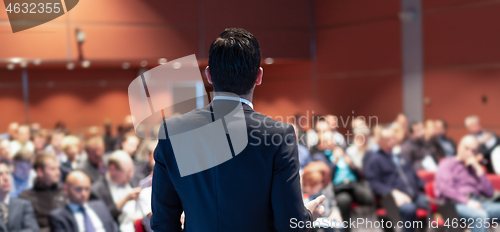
column 144, row 63
column 126, row 65
column 11, row 66
column 15, row 60
column 162, row 61
column 86, row 63
column 269, row 60
column 37, row 61
column 23, row 64
column 176, row 65
column 70, row 66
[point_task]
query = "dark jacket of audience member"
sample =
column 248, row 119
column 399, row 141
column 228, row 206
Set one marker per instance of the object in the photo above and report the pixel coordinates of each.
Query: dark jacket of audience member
column 416, row 150
column 100, row 190
column 62, row 219
column 21, row 217
column 44, row 199
column 91, row 170
column 383, row 175
column 141, row 172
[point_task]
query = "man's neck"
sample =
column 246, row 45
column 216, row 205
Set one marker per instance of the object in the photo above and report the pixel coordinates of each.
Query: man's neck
column 248, row 96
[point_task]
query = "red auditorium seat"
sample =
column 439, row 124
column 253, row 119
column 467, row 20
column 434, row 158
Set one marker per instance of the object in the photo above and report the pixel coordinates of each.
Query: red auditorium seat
column 425, row 175
column 421, row 213
column 429, row 190
column 138, row 225
column 495, row 180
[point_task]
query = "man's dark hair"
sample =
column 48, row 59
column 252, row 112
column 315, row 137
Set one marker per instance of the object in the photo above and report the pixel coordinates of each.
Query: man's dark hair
column 234, row 61
column 412, row 124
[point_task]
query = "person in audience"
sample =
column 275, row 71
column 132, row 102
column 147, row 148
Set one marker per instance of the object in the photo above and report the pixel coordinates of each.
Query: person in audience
column 304, row 154
column 71, row 147
column 109, row 139
column 463, row 180
column 93, row 166
column 487, row 139
column 431, row 141
column 333, row 125
column 15, row 214
column 319, row 124
column 145, row 169
column 448, row 145
column 417, row 151
column 115, row 190
column 346, row 177
column 359, row 146
column 5, row 155
column 40, row 141
column 317, row 181
column 22, row 140
column 144, row 200
column 55, row 147
column 129, row 145
column 80, row 214
column 393, row 175
column 23, row 175
column 46, row 194
column 402, row 120
column 12, row 131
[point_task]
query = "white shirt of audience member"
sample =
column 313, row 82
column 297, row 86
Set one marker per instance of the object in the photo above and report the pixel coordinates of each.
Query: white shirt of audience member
column 79, row 218
column 129, row 212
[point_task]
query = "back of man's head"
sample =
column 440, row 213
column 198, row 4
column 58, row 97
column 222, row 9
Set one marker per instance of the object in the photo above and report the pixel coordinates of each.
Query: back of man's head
column 234, row 61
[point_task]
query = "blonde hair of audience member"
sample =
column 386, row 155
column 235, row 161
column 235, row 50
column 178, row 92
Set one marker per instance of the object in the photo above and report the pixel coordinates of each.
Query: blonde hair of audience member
column 317, row 175
column 130, row 143
column 332, row 122
column 5, row 150
column 77, row 187
column 23, row 134
column 40, row 138
column 47, row 169
column 71, row 147
column 430, row 129
column 473, row 124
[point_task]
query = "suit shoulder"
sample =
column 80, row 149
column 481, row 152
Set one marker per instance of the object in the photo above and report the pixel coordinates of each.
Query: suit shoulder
column 57, row 212
column 97, row 204
column 262, row 120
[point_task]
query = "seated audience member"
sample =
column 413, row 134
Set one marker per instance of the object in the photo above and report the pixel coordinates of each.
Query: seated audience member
column 23, row 175
column 317, row 181
column 319, row 125
column 417, row 151
column 80, row 214
column 40, row 141
column 115, row 190
column 129, row 145
column 22, row 140
column 448, row 145
column 70, row 146
column 390, row 174
column 55, row 147
column 463, row 180
column 333, row 125
column 431, row 140
column 488, row 140
column 11, row 132
column 15, row 214
column 145, row 169
column 346, row 179
column 93, row 166
column 5, row 155
column 304, row 154
column 359, row 146
column 46, row 194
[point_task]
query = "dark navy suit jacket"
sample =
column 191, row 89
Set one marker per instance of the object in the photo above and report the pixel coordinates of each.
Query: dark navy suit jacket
column 256, row 190
column 62, row 219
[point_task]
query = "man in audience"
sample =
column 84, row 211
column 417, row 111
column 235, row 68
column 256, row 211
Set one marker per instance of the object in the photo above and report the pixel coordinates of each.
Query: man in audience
column 40, row 141
column 55, row 147
column 463, row 180
column 115, row 190
column 80, row 214
column 23, row 175
column 94, row 165
column 46, row 194
column 487, row 139
column 129, row 145
column 333, row 125
column 393, row 175
column 145, row 169
column 416, row 150
column 5, row 155
column 22, row 140
column 70, row 145
column 448, row 145
column 15, row 214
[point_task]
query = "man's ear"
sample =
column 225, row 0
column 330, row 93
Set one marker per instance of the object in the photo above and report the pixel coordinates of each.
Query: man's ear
column 260, row 73
column 207, row 73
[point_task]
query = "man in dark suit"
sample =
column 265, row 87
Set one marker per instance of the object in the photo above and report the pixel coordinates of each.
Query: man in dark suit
column 93, row 166
column 257, row 189
column 80, row 214
column 15, row 214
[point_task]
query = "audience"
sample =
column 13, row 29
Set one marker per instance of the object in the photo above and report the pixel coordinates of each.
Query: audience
column 46, row 194
column 94, row 166
column 23, row 175
column 463, row 180
column 418, row 151
column 448, row 145
column 5, row 151
column 15, row 214
column 391, row 174
column 22, row 140
column 55, row 146
column 143, row 170
column 115, row 190
column 487, row 139
column 80, row 214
